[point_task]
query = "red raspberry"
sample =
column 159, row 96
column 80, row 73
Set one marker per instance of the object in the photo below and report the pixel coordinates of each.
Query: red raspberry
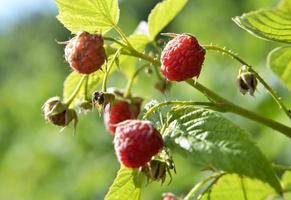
column 169, row 196
column 116, row 113
column 85, row 53
column 136, row 142
column 182, row 58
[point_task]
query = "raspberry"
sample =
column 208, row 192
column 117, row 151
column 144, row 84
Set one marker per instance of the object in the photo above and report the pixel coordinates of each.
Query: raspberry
column 182, row 58
column 85, row 53
column 169, row 196
column 135, row 142
column 116, row 113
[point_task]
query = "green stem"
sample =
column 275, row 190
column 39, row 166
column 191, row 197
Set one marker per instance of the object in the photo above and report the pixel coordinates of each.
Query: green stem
column 180, row 103
column 150, row 59
column 134, row 53
column 104, row 84
column 159, row 76
column 225, row 51
column 273, row 94
column 130, row 82
column 258, row 118
column 114, row 40
column 123, row 36
column 86, row 88
column 287, row 190
column 262, row 81
column 243, row 188
column 77, row 89
column 198, row 186
column 227, row 106
column 145, row 57
column 281, row 167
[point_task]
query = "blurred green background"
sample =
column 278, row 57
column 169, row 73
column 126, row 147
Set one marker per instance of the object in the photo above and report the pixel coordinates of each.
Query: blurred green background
column 39, row 162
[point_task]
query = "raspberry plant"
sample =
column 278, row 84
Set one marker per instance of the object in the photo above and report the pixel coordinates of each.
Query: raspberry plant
column 237, row 169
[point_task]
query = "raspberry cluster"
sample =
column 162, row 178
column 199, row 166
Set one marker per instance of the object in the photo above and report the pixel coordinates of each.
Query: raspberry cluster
column 136, row 142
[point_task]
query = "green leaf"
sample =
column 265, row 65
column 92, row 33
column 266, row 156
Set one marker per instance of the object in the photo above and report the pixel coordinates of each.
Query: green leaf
column 271, row 24
column 238, row 188
column 285, row 5
column 286, row 181
column 157, row 118
column 127, row 185
column 279, row 60
column 216, row 142
column 162, row 14
column 88, row 15
column 86, row 90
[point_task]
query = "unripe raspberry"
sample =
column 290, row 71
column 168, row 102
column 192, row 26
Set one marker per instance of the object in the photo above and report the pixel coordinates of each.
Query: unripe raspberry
column 85, row 53
column 156, row 170
column 57, row 113
column 118, row 112
column 247, row 81
column 182, row 58
column 136, row 142
column 160, row 167
column 101, row 99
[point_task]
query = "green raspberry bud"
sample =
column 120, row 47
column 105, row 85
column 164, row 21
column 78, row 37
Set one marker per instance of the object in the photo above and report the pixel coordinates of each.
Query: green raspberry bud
column 57, row 112
column 101, row 99
column 247, row 81
column 156, row 170
column 159, row 167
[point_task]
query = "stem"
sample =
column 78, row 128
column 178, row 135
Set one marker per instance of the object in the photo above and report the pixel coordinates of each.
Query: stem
column 158, row 73
column 243, row 188
column 262, row 81
column 258, row 118
column 145, row 57
column 273, row 94
column 123, row 36
column 281, row 167
column 74, row 94
column 134, row 53
column 114, row 40
column 227, row 52
column 181, row 103
column 287, row 190
column 104, row 84
column 86, row 88
column 196, row 188
column 130, row 82
column 230, row 107
column 150, row 59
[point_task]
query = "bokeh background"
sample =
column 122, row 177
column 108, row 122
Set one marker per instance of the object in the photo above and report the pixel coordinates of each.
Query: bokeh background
column 39, row 162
